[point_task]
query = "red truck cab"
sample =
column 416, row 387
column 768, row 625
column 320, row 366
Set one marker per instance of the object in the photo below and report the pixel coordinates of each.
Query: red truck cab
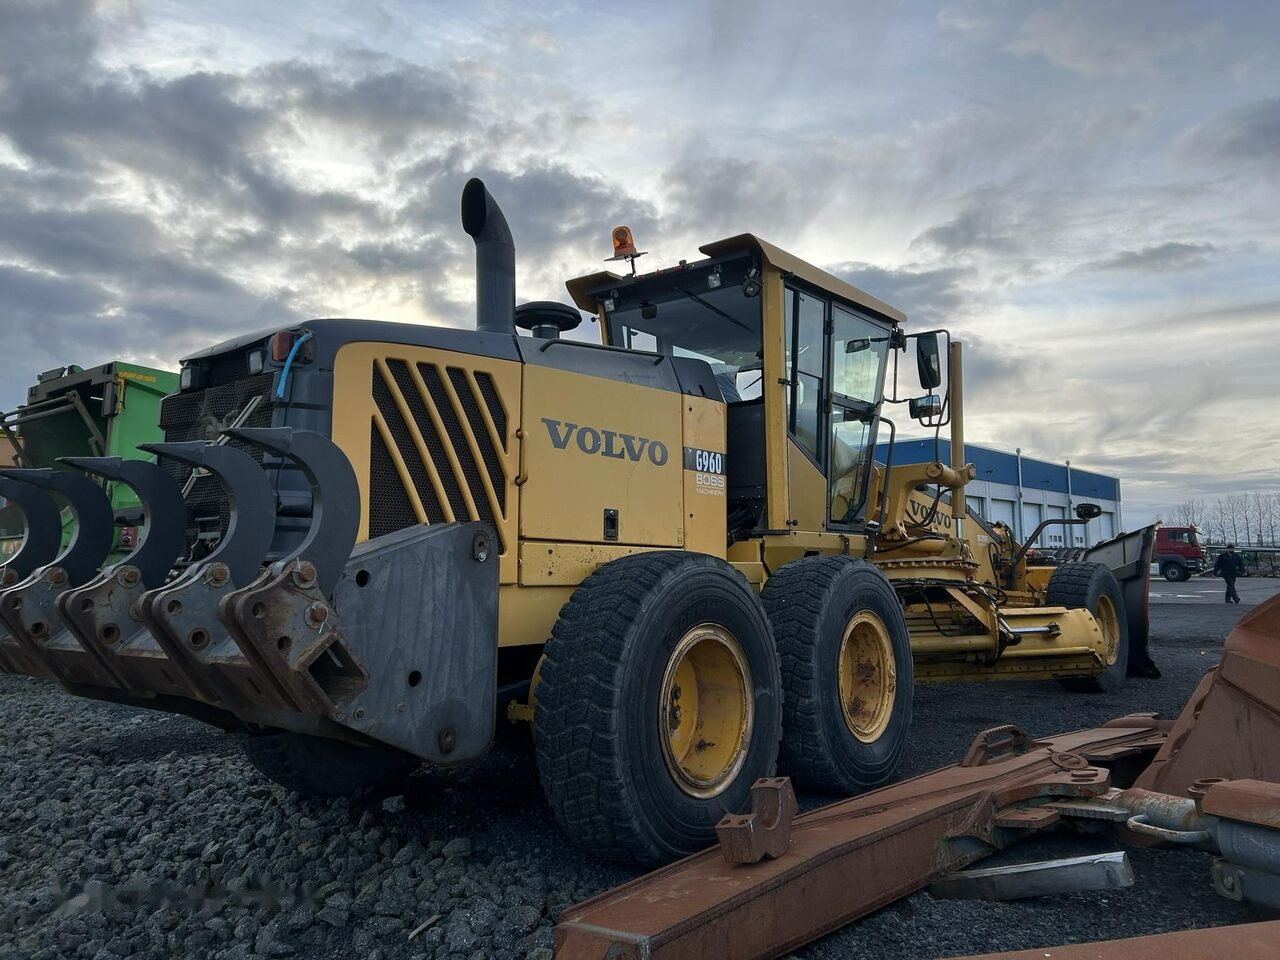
column 1178, row 552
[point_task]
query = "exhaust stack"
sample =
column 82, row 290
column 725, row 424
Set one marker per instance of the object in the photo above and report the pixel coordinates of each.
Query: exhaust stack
column 495, row 259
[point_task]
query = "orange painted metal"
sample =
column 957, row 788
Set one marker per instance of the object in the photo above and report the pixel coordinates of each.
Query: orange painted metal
column 852, row 857
column 1245, row 941
column 1230, row 728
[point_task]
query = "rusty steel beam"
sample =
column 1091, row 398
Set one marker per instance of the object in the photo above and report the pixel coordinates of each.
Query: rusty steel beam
column 852, row 857
column 1230, row 728
column 1245, row 941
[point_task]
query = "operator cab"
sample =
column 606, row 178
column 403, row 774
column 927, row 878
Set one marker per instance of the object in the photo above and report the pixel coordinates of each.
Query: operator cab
column 799, row 356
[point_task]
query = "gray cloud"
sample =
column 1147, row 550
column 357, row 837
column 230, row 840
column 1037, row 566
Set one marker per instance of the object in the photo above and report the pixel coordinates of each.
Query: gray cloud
column 1098, row 39
column 1041, row 181
column 1161, row 257
column 1250, row 133
column 929, row 297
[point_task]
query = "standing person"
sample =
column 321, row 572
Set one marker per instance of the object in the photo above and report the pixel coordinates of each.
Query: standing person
column 1230, row 565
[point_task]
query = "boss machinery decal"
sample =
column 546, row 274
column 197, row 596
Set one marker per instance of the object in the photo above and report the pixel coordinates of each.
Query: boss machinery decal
column 708, row 469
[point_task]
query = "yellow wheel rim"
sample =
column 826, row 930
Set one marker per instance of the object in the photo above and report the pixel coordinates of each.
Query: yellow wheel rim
column 1109, row 624
column 868, row 676
column 706, row 710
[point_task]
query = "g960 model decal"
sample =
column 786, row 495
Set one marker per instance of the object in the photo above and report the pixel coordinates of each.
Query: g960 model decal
column 708, row 469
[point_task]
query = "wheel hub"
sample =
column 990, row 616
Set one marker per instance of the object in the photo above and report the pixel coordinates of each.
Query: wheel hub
column 706, row 710
column 867, row 676
column 1109, row 624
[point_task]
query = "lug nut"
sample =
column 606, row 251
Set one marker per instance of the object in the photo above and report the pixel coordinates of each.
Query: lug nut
column 317, row 614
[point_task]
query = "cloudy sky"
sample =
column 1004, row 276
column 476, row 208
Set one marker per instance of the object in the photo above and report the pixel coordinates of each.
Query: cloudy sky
column 1087, row 192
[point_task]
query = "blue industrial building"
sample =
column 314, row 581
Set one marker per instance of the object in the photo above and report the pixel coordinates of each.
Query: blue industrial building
column 1022, row 491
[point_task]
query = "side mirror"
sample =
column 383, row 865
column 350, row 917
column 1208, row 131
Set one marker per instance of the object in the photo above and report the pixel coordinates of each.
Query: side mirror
column 1088, row 511
column 928, row 362
column 926, row 407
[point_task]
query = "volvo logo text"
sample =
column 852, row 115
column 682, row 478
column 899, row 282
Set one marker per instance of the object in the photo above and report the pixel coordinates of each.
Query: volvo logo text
column 606, row 443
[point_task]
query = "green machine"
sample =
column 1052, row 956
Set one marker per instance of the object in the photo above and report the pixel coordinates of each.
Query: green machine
column 102, row 411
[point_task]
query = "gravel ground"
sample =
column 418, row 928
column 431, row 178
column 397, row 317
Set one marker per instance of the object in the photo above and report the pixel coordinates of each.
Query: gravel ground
column 100, row 794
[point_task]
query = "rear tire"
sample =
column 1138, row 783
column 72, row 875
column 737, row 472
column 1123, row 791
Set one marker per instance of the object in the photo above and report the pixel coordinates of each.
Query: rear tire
column 1175, row 572
column 846, row 672
column 320, row 768
column 1093, row 587
column 650, row 652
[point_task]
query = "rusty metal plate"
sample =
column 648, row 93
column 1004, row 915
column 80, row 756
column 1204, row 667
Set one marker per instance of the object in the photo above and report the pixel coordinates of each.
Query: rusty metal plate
column 845, row 860
column 1250, row 801
column 1246, row 941
column 1230, row 727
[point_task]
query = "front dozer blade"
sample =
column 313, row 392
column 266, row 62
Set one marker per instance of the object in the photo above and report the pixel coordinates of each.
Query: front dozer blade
column 39, row 546
column 104, row 614
column 285, row 620
column 183, row 615
column 29, row 609
column 1230, row 727
column 44, row 529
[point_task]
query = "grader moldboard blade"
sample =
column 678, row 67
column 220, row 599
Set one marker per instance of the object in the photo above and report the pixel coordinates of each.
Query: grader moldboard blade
column 1214, row 783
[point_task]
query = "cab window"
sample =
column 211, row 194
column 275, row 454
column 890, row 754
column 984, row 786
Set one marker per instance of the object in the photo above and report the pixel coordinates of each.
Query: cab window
column 858, row 351
column 806, row 325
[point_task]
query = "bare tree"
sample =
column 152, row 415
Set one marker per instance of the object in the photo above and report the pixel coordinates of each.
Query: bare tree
column 1191, row 513
column 1257, row 509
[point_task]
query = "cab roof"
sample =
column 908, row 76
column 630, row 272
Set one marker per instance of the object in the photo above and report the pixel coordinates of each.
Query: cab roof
column 580, row 288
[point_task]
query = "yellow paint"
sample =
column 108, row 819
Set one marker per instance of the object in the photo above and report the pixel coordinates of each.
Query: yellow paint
column 705, row 491
column 807, row 491
column 544, row 563
column 527, row 614
column 355, row 414
column 773, row 330
column 592, row 444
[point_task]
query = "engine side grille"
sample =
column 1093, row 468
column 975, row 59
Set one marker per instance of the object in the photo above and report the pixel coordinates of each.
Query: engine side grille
column 494, row 402
column 492, row 462
column 443, row 423
column 393, row 511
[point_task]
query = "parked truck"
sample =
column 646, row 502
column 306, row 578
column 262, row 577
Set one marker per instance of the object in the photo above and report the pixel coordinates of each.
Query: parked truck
column 1179, row 553
column 670, row 551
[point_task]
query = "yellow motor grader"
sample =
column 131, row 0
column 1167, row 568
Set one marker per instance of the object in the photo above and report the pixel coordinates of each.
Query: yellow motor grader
column 671, row 551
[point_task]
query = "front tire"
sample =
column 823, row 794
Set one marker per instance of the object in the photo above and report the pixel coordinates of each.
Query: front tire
column 659, row 706
column 1175, row 572
column 847, row 673
column 1093, row 587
